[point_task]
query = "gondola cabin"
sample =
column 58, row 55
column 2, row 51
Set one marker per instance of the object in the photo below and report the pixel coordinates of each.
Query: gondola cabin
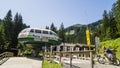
column 38, row 35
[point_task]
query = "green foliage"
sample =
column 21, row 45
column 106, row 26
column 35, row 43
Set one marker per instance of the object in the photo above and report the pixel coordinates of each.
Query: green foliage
column 18, row 25
column 112, row 44
column 117, row 15
column 47, row 64
column 109, row 26
column 61, row 32
column 53, row 28
column 9, row 30
column 47, row 27
column 28, row 51
column 79, row 35
column 105, row 22
column 1, row 40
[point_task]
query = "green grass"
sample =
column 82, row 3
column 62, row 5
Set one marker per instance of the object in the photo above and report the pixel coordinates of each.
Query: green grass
column 47, row 64
column 118, row 55
column 112, row 44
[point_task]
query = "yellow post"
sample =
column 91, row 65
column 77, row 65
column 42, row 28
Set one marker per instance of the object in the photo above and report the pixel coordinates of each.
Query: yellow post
column 88, row 37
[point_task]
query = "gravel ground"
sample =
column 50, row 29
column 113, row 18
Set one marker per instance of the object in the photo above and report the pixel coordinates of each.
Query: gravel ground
column 86, row 64
column 22, row 62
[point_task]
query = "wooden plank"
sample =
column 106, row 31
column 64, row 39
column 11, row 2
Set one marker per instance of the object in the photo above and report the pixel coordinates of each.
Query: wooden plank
column 6, row 54
column 70, row 60
column 91, row 60
column 76, row 52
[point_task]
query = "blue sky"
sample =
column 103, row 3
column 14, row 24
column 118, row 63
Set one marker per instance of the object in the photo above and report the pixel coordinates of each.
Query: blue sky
column 41, row 13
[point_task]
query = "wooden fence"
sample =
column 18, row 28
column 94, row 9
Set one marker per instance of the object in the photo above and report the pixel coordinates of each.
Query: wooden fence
column 5, row 55
column 87, row 52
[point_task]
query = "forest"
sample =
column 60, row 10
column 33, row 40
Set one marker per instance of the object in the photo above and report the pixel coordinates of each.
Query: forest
column 9, row 30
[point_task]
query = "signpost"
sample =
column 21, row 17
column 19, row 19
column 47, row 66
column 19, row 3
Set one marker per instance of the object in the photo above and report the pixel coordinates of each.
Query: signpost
column 97, row 43
column 44, row 50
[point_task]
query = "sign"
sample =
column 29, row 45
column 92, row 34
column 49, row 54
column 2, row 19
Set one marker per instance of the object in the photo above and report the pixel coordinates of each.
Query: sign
column 88, row 37
column 97, row 44
column 97, row 41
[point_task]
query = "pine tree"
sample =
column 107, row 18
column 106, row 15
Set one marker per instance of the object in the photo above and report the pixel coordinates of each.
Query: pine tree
column 53, row 28
column 7, row 30
column 18, row 26
column 1, row 41
column 0, row 21
column 117, row 15
column 112, row 26
column 61, row 33
column 105, row 24
column 47, row 27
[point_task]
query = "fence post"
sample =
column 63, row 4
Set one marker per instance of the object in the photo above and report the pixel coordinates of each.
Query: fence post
column 51, row 53
column 91, row 59
column 60, row 56
column 71, row 60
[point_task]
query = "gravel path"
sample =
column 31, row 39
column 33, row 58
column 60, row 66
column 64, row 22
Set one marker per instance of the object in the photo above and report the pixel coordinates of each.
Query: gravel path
column 86, row 64
column 21, row 62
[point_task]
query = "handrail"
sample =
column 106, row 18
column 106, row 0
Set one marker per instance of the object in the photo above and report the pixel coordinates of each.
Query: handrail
column 90, row 52
column 5, row 55
column 76, row 52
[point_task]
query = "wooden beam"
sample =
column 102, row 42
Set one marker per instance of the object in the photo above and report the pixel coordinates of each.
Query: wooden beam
column 76, row 52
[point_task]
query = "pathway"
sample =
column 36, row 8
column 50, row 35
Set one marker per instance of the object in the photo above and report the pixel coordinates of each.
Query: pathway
column 22, row 62
column 77, row 63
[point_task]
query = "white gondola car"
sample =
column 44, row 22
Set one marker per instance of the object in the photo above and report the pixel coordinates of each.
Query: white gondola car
column 36, row 34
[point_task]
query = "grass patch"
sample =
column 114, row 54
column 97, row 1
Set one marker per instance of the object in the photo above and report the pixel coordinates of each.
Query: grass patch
column 118, row 55
column 47, row 64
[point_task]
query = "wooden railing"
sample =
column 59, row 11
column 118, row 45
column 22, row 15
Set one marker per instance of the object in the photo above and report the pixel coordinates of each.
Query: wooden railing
column 87, row 52
column 5, row 55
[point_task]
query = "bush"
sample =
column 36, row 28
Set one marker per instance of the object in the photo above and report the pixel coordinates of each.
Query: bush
column 27, row 52
column 112, row 44
column 47, row 64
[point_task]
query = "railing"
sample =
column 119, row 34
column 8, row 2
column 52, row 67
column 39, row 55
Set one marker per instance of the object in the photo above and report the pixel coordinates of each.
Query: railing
column 87, row 52
column 4, row 56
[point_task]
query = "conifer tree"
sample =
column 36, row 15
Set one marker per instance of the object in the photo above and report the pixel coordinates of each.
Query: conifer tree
column 18, row 26
column 112, row 26
column 53, row 28
column 7, row 29
column 105, row 24
column 61, row 33
column 47, row 27
column 117, row 15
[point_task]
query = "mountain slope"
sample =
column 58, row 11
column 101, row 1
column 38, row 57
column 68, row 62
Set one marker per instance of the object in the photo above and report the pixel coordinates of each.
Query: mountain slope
column 76, row 33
